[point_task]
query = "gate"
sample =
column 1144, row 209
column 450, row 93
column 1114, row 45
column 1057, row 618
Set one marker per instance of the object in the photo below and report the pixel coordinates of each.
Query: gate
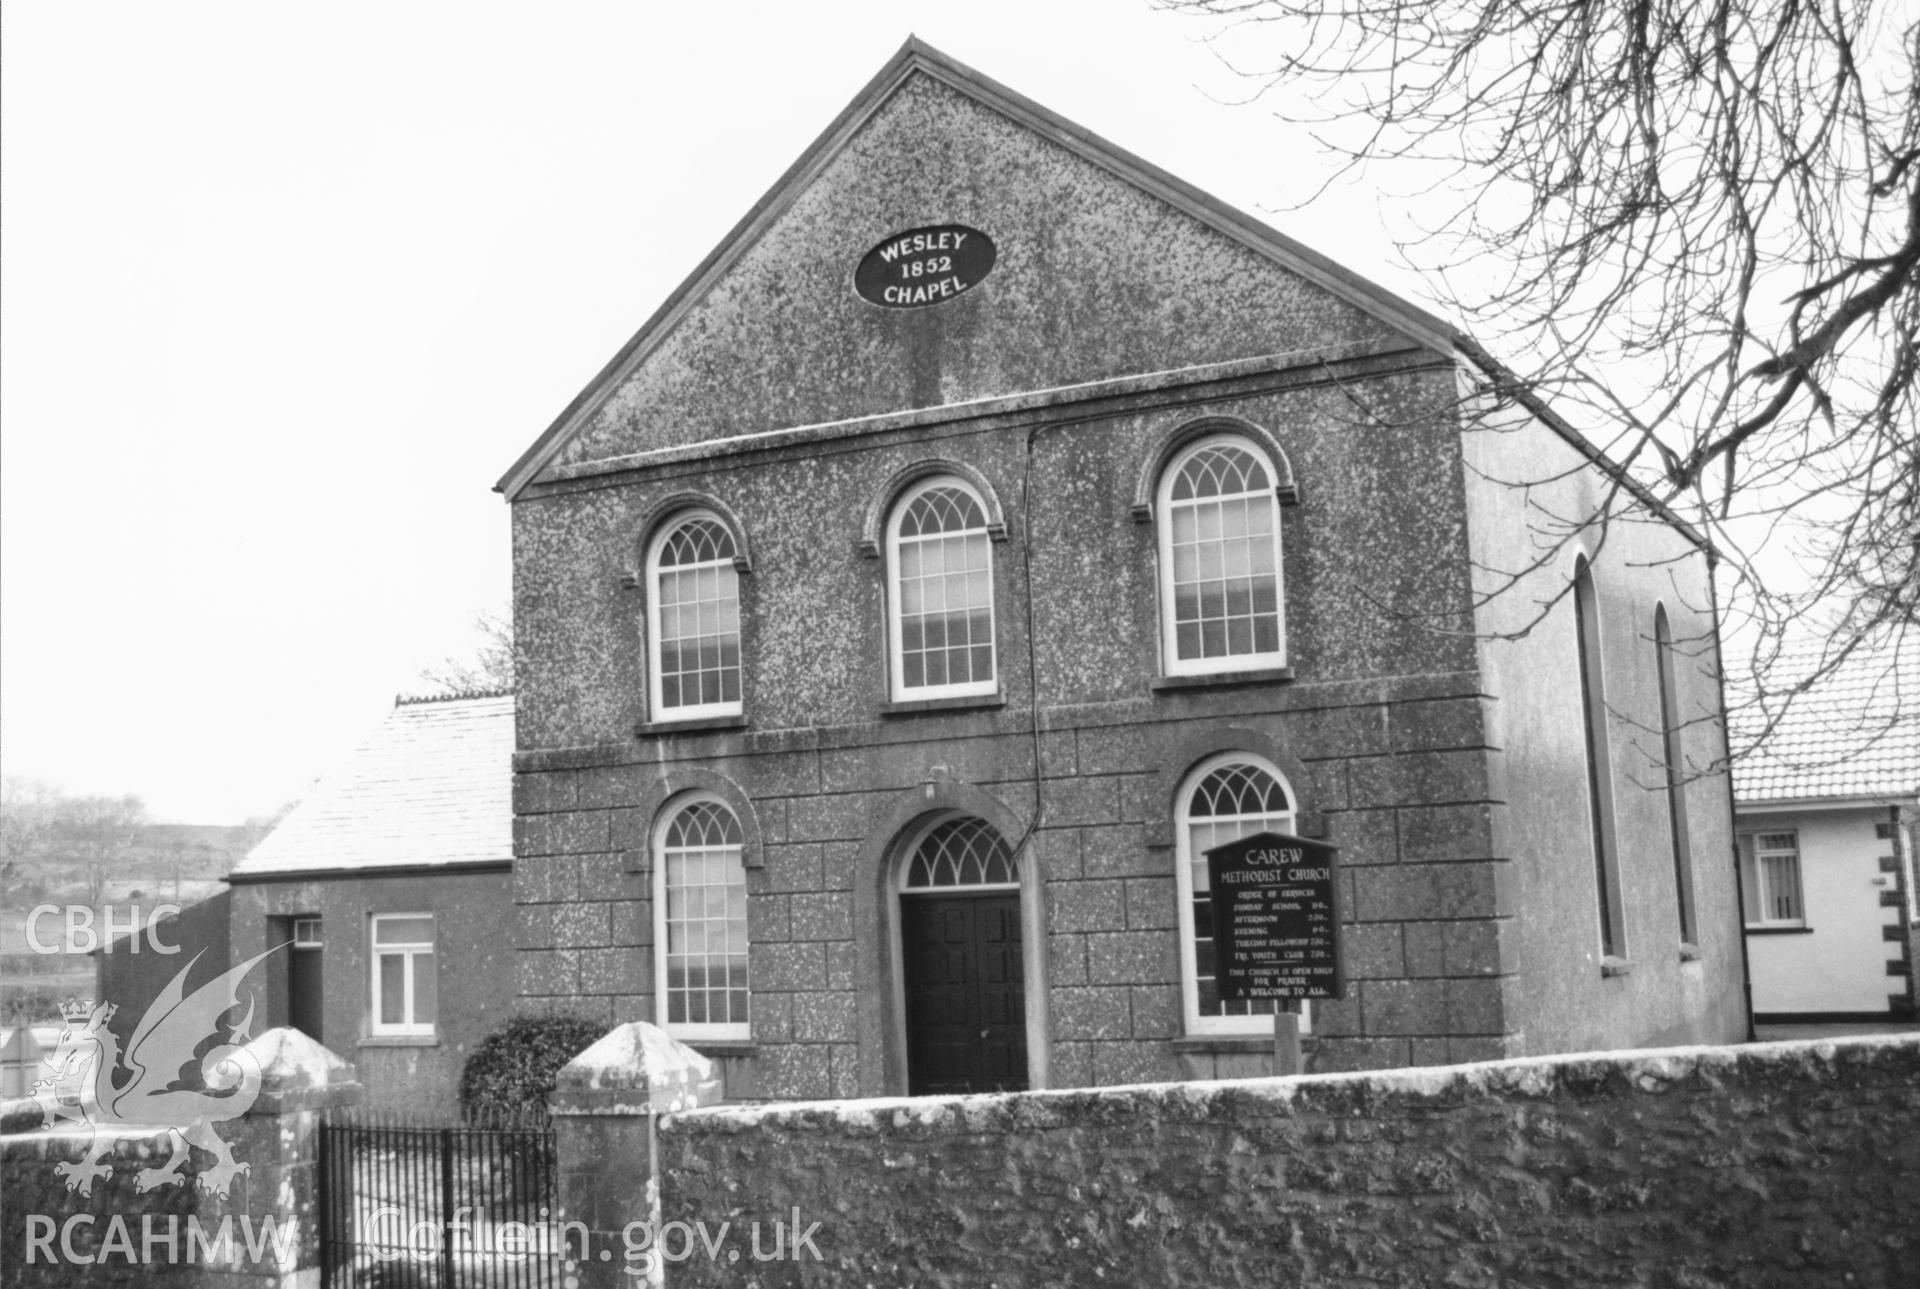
column 414, row 1206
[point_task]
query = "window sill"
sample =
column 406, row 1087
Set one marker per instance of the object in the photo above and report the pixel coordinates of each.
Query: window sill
column 646, row 729
column 1221, row 679
column 1780, row 930
column 399, row 1040
column 1610, row 966
column 723, row 1046
column 1228, row 1044
column 958, row 703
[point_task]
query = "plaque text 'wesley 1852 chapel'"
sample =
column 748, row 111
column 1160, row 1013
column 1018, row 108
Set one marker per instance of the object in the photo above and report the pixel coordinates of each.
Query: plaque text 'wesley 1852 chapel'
column 924, row 266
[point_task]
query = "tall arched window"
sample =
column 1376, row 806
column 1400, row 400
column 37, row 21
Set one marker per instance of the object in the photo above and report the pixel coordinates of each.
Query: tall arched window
column 941, row 568
column 1220, row 606
column 700, row 922
column 1593, row 705
column 693, row 649
column 1678, row 829
column 1225, row 798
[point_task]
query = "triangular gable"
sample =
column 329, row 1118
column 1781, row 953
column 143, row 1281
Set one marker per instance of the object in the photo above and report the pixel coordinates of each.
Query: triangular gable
column 1259, row 243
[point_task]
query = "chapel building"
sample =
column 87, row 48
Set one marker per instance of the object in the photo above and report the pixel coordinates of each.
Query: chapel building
column 992, row 524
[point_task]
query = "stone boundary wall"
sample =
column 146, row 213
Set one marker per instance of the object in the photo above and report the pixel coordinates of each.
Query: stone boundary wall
column 260, row 1230
column 1768, row 1164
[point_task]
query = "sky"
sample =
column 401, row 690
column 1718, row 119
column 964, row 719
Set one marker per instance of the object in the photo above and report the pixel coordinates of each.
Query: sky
column 288, row 287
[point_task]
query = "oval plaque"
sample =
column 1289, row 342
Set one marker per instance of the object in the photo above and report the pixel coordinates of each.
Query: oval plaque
column 924, row 266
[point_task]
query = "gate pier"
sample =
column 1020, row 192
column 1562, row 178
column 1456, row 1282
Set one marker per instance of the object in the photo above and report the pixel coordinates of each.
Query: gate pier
column 258, row 1232
column 606, row 1109
column 300, row 1081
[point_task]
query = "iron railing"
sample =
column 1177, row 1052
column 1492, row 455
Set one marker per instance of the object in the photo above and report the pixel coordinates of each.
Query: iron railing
column 412, row 1205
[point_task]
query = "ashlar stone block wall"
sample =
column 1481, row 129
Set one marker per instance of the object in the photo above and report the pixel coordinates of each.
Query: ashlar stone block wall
column 1393, row 772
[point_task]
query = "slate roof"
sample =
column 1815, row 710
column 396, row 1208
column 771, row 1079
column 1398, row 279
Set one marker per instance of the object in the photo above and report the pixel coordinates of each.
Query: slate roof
column 1855, row 733
column 432, row 785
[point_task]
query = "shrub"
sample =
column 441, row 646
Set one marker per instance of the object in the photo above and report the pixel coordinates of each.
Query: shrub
column 512, row 1072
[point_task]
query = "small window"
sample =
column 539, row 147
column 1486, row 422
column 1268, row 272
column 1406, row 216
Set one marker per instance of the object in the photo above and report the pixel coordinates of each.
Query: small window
column 1770, row 879
column 700, row 933
column 942, row 583
column 1225, row 799
column 306, row 933
column 694, row 646
column 1220, row 603
column 405, row 991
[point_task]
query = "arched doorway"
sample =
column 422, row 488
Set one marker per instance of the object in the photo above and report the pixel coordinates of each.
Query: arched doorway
column 962, row 960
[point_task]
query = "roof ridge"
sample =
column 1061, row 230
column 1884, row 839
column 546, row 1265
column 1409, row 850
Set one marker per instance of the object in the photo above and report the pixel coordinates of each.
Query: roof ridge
column 457, row 696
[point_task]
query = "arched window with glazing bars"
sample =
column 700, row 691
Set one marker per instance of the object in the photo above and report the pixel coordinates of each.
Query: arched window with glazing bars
column 941, row 622
column 694, row 644
column 700, row 922
column 1225, row 798
column 1220, row 593
column 960, row 852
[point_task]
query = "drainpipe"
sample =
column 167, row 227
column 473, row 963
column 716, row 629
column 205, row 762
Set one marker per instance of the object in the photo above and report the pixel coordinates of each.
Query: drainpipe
column 1746, row 972
column 1026, row 573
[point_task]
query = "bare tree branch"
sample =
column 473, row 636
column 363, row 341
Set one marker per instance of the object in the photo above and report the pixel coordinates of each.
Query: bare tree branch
column 1690, row 227
column 486, row 666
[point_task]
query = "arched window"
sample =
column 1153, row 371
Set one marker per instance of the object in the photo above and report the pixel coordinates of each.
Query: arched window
column 1679, row 831
column 1225, row 798
column 1593, row 705
column 941, row 568
column 1220, row 604
column 700, row 921
column 693, row 650
column 957, row 852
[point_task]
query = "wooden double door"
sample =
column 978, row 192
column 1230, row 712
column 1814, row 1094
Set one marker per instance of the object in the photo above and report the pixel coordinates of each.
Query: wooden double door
column 965, row 993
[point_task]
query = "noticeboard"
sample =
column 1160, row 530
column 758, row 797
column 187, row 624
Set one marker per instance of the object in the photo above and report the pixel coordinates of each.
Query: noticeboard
column 1276, row 918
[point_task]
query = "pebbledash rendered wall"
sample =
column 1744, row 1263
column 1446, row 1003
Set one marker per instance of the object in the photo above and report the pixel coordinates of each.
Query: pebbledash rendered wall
column 1126, row 313
column 1773, row 1164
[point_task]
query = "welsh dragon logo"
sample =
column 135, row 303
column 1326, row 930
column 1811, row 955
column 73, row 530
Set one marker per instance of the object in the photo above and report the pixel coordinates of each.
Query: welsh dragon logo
column 142, row 1094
